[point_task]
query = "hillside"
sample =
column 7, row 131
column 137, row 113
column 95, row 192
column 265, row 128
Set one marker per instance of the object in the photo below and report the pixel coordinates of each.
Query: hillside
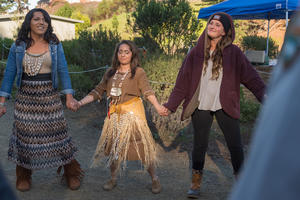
column 88, row 8
column 277, row 29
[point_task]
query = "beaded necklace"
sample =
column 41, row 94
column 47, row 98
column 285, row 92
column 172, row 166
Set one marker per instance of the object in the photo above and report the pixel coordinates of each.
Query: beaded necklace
column 117, row 91
column 33, row 63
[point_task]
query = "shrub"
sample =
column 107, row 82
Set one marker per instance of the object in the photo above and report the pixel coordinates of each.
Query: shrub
column 2, row 68
column 79, row 27
column 92, row 50
column 81, row 83
column 65, row 11
column 170, row 24
column 248, row 108
column 260, row 43
column 5, row 44
column 162, row 71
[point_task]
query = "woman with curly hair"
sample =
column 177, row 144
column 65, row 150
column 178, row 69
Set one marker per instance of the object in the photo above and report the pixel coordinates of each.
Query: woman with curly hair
column 40, row 136
column 125, row 134
column 209, row 83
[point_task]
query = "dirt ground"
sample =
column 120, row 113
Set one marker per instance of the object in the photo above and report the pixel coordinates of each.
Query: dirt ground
column 174, row 169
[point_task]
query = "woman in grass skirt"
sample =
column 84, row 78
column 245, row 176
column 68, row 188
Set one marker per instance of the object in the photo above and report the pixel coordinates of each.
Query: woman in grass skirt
column 40, row 136
column 125, row 134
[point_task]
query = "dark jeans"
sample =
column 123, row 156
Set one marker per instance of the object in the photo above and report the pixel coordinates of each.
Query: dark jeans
column 202, row 121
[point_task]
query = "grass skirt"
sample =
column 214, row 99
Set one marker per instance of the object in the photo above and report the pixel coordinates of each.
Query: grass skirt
column 126, row 136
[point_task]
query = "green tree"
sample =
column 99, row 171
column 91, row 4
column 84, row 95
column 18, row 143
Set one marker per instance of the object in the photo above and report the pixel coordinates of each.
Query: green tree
column 169, row 23
column 129, row 5
column 79, row 27
column 5, row 5
column 115, row 23
column 65, row 11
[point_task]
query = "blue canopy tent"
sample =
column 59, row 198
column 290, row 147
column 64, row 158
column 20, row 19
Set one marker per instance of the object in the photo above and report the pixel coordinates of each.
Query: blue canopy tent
column 262, row 9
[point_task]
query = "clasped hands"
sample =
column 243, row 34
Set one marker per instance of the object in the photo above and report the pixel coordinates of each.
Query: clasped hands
column 73, row 104
column 162, row 110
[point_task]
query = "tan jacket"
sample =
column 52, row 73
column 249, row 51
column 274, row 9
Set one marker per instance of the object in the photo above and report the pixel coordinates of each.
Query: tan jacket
column 136, row 87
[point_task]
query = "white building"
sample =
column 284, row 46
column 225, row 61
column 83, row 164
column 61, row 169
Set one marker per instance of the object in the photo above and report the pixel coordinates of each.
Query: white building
column 63, row 27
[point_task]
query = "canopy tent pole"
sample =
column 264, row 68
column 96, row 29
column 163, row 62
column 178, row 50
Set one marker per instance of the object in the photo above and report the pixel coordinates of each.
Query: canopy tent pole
column 267, row 50
column 268, row 35
column 286, row 14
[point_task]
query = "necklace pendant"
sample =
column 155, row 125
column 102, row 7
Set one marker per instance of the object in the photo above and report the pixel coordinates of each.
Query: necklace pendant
column 115, row 91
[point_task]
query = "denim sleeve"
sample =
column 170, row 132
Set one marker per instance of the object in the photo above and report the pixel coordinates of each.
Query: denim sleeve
column 9, row 73
column 62, row 69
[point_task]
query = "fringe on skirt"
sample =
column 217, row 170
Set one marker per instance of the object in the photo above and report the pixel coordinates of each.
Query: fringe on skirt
column 126, row 136
column 39, row 139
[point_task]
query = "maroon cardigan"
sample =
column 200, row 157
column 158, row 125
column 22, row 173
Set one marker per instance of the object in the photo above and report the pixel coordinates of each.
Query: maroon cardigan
column 236, row 70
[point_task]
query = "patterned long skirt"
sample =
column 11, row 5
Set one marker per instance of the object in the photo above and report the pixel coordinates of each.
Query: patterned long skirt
column 40, row 135
column 126, row 136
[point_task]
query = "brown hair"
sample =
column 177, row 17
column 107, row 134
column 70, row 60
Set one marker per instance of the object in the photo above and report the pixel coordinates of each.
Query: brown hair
column 217, row 55
column 134, row 59
column 49, row 36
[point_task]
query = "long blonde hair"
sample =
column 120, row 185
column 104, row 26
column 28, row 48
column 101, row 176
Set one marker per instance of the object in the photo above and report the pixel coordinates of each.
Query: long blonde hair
column 217, row 55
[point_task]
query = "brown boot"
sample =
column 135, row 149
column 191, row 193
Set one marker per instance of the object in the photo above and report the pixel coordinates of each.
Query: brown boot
column 156, row 187
column 23, row 176
column 73, row 174
column 194, row 190
column 109, row 185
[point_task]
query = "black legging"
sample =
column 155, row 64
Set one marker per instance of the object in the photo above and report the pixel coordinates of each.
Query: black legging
column 202, row 121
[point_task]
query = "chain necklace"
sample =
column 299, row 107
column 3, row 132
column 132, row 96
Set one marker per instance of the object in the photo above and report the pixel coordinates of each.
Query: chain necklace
column 33, row 63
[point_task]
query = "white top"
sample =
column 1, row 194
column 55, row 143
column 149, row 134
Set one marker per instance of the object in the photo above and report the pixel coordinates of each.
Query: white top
column 209, row 96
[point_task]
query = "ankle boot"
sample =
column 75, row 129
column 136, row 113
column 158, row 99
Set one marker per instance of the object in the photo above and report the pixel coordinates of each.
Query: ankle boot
column 156, row 187
column 194, row 190
column 23, row 177
column 109, row 185
column 236, row 176
column 73, row 174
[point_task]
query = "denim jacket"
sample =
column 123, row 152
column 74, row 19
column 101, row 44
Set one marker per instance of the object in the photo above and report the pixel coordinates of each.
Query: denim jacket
column 14, row 67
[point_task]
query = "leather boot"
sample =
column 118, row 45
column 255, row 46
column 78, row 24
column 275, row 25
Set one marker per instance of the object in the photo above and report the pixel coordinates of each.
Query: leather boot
column 194, row 190
column 23, row 177
column 109, row 185
column 73, row 174
column 156, row 187
column 236, row 176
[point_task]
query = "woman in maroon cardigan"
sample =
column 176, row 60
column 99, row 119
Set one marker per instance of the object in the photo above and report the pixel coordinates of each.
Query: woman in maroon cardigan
column 209, row 84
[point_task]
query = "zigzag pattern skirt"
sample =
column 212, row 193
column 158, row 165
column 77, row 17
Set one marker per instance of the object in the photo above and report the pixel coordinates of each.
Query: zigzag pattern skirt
column 40, row 135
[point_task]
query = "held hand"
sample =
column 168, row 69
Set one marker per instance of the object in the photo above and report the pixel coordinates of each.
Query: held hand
column 76, row 105
column 72, row 104
column 162, row 111
column 166, row 111
column 2, row 110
